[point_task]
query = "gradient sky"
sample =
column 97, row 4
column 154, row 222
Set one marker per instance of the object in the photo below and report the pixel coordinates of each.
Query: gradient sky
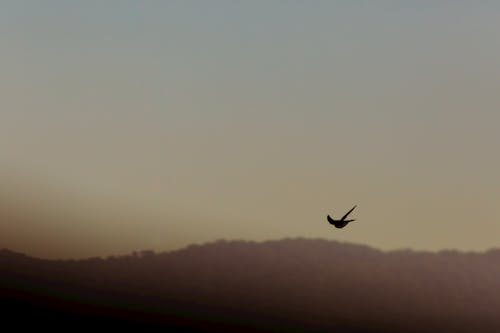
column 128, row 125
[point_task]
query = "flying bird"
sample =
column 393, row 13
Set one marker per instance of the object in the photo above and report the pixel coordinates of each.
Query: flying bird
column 342, row 222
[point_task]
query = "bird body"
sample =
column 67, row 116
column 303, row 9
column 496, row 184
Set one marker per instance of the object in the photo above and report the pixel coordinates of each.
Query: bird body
column 342, row 222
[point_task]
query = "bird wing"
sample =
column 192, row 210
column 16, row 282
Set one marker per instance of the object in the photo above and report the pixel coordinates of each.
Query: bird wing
column 349, row 212
column 332, row 221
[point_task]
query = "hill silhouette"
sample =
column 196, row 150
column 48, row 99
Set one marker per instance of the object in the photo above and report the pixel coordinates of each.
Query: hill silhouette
column 292, row 285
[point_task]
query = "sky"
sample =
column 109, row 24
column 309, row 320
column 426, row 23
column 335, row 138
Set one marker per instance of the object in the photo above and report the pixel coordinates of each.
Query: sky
column 130, row 125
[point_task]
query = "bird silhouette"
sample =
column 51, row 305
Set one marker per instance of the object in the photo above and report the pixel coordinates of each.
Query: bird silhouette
column 342, row 222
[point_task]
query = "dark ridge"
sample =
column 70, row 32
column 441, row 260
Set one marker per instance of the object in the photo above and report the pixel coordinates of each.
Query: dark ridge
column 291, row 285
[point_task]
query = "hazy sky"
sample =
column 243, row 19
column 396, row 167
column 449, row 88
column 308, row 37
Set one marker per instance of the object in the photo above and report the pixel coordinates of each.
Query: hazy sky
column 129, row 125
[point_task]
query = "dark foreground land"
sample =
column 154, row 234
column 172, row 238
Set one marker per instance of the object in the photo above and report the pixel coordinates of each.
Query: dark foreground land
column 279, row 286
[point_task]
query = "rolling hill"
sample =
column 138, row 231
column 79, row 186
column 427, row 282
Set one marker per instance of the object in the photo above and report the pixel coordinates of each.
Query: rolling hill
column 292, row 285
